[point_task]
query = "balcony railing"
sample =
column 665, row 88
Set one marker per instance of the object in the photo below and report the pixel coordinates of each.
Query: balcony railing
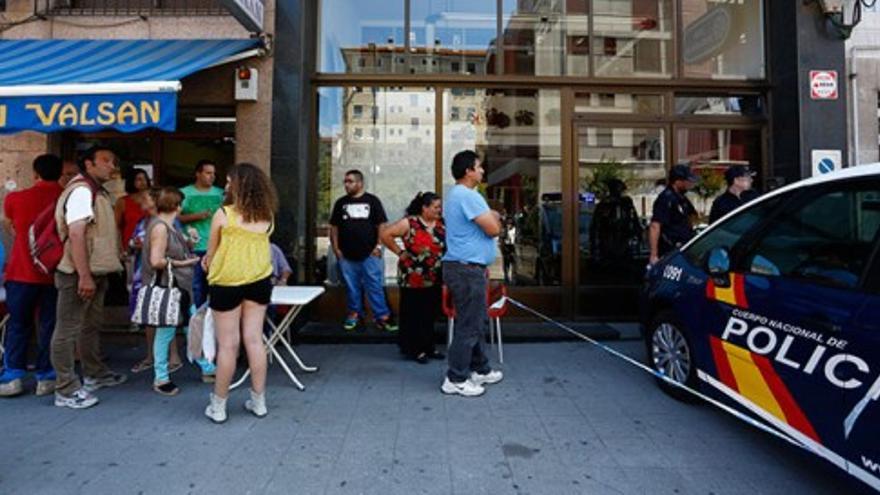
column 147, row 8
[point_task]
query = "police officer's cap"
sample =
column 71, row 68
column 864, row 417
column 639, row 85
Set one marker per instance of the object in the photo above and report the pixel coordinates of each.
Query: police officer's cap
column 682, row 171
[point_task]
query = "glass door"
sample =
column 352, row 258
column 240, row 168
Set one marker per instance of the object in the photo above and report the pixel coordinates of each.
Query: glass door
column 621, row 169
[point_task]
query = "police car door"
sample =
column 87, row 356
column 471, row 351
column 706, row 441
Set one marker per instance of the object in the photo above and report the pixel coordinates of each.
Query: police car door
column 861, row 424
column 802, row 291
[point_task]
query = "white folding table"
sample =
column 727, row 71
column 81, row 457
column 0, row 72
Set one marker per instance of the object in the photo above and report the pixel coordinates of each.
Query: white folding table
column 296, row 297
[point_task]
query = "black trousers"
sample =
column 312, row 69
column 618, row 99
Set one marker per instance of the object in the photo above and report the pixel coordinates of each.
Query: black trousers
column 419, row 309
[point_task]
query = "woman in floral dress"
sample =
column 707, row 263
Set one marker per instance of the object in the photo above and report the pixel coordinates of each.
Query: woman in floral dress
column 423, row 237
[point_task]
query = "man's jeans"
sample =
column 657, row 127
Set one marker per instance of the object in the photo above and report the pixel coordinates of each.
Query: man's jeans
column 200, row 281
column 366, row 275
column 80, row 323
column 22, row 301
column 467, row 285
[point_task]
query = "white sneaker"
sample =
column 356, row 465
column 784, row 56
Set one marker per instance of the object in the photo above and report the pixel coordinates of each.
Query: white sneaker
column 80, row 399
column 216, row 410
column 11, row 388
column 257, row 404
column 489, row 378
column 466, row 388
column 110, row 380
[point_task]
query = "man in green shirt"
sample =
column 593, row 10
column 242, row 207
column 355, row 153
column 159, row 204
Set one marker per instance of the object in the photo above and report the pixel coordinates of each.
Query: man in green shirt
column 200, row 201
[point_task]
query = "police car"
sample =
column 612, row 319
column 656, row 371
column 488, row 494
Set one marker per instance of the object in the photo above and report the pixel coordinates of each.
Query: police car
column 776, row 309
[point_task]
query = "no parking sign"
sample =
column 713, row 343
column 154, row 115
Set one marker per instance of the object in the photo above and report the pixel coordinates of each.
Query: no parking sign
column 826, row 161
column 823, row 84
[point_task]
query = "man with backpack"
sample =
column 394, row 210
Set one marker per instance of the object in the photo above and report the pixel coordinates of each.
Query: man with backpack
column 87, row 228
column 29, row 291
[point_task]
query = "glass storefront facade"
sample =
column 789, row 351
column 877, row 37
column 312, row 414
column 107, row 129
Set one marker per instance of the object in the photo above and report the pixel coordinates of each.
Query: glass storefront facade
column 578, row 108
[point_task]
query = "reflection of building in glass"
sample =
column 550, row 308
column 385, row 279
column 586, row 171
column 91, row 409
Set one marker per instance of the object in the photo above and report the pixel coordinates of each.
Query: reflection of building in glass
column 382, row 59
column 553, row 37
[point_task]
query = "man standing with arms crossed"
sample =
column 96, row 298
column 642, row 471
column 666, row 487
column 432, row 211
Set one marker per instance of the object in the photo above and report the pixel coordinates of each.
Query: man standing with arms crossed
column 471, row 229
column 200, row 201
column 86, row 223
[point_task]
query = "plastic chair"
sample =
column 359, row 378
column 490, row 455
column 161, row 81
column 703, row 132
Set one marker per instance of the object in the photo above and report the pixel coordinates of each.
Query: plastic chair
column 493, row 295
column 496, row 311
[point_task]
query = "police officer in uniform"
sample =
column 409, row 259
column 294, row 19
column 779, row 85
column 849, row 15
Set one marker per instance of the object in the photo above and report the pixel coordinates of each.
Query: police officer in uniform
column 739, row 192
column 671, row 224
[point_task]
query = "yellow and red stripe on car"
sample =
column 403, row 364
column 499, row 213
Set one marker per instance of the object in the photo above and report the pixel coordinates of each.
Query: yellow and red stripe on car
column 752, row 376
column 734, row 293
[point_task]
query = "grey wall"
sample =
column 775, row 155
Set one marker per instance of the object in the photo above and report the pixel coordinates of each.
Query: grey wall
column 292, row 115
column 801, row 41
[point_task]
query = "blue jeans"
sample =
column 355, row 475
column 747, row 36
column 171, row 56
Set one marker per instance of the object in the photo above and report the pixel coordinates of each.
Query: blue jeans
column 200, row 282
column 161, row 344
column 23, row 300
column 467, row 285
column 367, row 275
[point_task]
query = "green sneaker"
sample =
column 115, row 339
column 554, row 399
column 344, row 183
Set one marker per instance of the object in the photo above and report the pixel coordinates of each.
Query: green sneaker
column 388, row 324
column 351, row 322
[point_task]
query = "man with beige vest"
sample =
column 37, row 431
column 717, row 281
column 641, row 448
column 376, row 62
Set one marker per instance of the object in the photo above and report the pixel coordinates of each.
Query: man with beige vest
column 84, row 214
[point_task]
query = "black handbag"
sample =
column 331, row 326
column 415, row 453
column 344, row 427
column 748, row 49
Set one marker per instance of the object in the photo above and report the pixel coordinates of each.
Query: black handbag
column 159, row 306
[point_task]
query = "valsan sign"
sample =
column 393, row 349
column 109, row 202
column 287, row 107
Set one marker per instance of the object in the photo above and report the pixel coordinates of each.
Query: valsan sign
column 128, row 112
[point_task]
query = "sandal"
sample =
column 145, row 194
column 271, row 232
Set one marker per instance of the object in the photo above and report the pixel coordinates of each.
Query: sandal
column 142, row 366
column 167, row 388
column 172, row 367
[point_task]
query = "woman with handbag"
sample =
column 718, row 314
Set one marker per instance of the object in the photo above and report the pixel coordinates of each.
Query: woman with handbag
column 167, row 255
column 239, row 269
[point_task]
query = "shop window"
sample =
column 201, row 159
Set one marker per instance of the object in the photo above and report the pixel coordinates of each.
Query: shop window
column 394, row 168
column 632, row 38
column 521, row 155
column 536, row 34
column 618, row 171
column 455, row 34
column 736, row 52
column 619, row 103
column 745, row 105
column 710, row 151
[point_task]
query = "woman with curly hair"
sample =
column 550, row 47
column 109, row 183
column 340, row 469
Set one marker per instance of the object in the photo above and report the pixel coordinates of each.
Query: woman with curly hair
column 239, row 271
column 419, row 275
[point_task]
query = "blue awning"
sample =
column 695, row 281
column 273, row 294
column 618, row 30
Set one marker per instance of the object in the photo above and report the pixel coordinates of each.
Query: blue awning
column 89, row 85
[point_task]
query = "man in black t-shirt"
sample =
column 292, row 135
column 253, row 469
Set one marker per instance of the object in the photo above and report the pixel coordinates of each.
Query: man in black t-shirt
column 354, row 234
column 673, row 214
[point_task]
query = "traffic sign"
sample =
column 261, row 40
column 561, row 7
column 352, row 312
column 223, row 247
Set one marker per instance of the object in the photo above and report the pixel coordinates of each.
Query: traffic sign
column 826, row 161
column 823, row 84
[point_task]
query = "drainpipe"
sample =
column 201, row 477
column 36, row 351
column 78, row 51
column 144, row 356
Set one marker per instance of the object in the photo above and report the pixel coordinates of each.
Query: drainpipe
column 854, row 91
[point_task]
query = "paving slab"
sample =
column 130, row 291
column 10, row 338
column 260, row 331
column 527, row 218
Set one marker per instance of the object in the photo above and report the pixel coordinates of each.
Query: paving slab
column 567, row 419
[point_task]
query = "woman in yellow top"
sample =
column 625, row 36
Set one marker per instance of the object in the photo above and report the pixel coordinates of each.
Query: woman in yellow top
column 239, row 287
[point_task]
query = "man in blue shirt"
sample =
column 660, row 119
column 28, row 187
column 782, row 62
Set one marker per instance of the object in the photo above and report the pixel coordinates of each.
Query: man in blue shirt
column 471, row 229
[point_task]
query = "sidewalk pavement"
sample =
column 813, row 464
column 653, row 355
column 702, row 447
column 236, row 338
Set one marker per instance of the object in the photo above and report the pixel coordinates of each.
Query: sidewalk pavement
column 567, row 419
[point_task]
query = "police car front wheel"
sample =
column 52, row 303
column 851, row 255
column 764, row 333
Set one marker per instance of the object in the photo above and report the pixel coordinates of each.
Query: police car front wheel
column 670, row 353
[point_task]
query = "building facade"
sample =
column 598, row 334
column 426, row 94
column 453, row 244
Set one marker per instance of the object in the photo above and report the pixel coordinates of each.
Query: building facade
column 564, row 99
column 561, row 98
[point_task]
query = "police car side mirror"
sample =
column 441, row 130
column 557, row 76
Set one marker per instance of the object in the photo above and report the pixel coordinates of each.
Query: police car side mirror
column 718, row 266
